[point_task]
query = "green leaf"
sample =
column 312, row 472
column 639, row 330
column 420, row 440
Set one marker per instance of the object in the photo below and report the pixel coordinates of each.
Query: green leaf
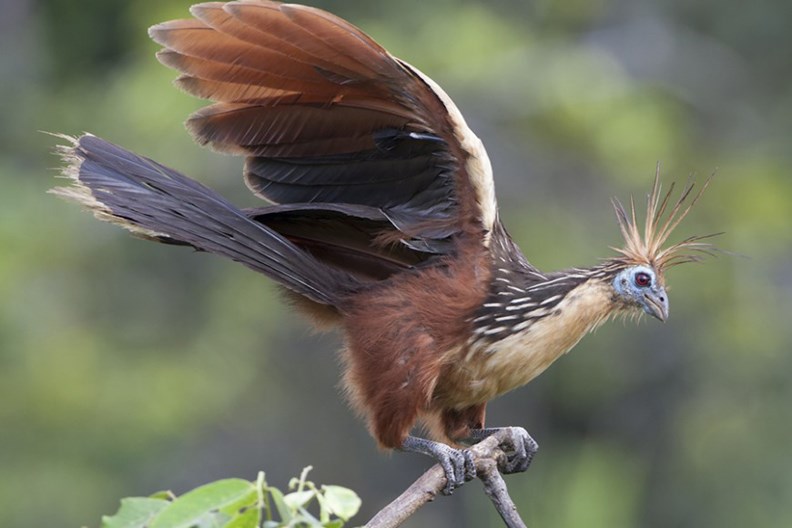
column 336, row 523
column 283, row 510
column 213, row 520
column 298, row 499
column 195, row 507
column 135, row 512
column 343, row 502
column 249, row 518
column 304, row 519
column 167, row 495
column 324, row 508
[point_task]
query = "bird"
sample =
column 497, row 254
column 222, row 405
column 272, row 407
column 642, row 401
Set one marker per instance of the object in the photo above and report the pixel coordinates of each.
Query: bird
column 381, row 222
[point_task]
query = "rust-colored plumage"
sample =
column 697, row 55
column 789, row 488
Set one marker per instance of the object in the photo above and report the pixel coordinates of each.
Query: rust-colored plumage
column 384, row 219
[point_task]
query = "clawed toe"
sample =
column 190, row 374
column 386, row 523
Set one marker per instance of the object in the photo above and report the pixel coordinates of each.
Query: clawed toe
column 470, row 465
column 518, row 445
column 458, row 464
column 521, row 452
column 459, row 468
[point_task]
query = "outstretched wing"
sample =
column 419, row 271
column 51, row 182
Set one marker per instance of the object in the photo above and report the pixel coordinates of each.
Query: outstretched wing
column 326, row 115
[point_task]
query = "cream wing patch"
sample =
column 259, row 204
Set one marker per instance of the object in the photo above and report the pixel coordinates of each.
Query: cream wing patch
column 478, row 166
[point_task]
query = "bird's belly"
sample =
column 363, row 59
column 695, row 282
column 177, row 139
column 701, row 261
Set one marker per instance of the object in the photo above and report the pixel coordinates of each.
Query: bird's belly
column 491, row 371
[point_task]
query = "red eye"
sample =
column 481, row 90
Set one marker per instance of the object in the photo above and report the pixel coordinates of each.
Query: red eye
column 642, row 279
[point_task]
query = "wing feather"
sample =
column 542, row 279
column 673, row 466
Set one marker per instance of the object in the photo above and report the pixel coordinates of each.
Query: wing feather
column 287, row 130
column 325, row 114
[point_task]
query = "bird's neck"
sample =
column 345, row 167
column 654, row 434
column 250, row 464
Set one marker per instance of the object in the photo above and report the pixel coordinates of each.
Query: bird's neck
column 520, row 297
column 530, row 319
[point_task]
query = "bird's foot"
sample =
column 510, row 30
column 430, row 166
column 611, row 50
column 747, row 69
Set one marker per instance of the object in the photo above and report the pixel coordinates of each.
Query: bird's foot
column 518, row 445
column 457, row 464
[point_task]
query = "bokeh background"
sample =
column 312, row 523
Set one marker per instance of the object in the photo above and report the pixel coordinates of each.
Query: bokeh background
column 128, row 367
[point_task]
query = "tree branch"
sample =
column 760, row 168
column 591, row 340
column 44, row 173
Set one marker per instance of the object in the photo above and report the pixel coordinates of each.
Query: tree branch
column 488, row 457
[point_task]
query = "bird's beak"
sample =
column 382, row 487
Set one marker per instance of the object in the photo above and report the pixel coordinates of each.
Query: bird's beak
column 656, row 304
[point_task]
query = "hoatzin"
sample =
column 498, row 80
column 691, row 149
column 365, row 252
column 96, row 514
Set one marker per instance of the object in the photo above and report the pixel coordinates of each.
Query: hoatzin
column 384, row 222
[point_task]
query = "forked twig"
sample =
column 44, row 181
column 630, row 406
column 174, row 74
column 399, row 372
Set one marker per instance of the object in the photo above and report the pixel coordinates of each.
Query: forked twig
column 488, row 457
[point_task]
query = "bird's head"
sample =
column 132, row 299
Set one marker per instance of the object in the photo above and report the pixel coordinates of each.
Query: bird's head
column 641, row 287
column 638, row 277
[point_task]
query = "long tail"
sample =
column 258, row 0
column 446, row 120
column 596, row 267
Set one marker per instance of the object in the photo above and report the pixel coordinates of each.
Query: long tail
column 158, row 203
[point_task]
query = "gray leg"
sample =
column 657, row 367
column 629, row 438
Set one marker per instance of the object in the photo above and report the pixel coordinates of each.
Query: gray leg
column 520, row 447
column 457, row 463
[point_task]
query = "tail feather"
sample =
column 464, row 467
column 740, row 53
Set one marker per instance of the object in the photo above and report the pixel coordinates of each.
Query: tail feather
column 158, row 203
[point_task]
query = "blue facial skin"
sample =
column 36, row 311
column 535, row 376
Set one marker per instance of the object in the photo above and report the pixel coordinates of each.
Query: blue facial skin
column 638, row 286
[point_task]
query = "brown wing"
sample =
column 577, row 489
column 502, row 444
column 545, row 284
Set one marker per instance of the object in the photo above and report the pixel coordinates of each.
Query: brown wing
column 326, row 115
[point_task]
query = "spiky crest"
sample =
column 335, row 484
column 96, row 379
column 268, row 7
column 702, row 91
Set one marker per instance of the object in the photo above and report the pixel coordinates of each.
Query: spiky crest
column 647, row 247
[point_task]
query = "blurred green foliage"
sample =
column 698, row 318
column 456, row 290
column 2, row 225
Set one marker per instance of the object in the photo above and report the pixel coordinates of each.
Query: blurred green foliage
column 238, row 503
column 126, row 366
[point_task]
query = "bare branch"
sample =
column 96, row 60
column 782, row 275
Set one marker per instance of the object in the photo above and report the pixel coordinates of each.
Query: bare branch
column 495, row 488
column 488, row 457
column 423, row 490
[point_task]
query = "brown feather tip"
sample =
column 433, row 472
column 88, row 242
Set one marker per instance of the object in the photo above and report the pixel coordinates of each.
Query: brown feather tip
column 661, row 219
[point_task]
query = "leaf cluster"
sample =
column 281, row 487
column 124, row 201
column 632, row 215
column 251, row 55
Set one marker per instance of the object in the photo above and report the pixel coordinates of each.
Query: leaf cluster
column 239, row 503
